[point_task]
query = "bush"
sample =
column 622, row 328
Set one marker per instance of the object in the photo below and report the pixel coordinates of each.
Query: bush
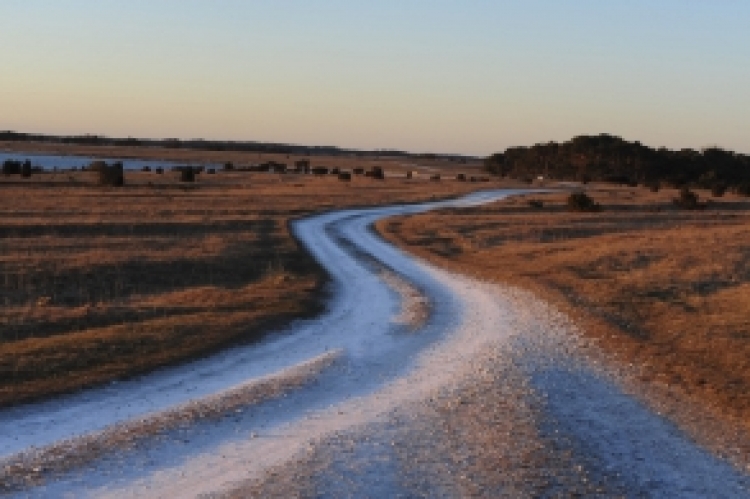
column 11, row 167
column 26, row 169
column 688, row 200
column 111, row 175
column 96, row 166
column 536, row 203
column 580, row 201
column 302, row 166
column 187, row 174
column 617, row 179
column 718, row 190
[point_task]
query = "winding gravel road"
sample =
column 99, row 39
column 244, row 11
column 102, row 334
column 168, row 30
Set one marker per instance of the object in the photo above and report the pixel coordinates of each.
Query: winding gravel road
column 415, row 383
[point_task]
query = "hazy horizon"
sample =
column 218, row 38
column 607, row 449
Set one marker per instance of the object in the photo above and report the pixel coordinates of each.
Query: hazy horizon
column 421, row 76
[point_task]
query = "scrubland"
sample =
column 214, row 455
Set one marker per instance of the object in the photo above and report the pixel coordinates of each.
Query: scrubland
column 664, row 289
column 100, row 283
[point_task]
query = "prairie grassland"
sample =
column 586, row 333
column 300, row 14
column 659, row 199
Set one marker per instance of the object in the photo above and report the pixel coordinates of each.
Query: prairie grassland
column 98, row 284
column 665, row 289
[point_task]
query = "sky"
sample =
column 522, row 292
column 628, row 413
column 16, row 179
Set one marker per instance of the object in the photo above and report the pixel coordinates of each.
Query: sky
column 461, row 76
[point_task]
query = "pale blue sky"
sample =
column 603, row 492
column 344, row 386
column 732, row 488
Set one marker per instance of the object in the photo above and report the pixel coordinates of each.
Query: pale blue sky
column 447, row 76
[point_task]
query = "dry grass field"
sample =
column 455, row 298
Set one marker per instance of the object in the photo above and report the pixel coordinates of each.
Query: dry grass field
column 98, row 284
column 663, row 288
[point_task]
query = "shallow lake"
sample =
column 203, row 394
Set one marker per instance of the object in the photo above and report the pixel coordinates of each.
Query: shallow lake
column 50, row 161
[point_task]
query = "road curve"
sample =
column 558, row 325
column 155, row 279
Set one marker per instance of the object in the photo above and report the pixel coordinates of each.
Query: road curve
column 222, row 423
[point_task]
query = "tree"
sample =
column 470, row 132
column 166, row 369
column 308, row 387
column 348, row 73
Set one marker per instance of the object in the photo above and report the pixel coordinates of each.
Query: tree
column 26, row 169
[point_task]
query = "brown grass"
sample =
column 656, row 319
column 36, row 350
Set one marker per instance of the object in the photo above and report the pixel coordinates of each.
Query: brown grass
column 666, row 289
column 98, row 284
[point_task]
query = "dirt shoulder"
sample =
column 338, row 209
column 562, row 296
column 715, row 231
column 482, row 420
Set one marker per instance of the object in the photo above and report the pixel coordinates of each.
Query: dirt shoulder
column 667, row 290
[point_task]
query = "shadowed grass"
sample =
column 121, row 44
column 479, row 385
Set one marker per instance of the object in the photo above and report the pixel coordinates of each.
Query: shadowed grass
column 99, row 284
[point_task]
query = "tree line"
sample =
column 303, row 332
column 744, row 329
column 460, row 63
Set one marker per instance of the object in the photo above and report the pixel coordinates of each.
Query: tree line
column 613, row 159
column 215, row 145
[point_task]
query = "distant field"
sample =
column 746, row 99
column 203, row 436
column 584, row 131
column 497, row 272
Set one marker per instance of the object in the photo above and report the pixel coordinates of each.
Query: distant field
column 662, row 288
column 238, row 158
column 98, row 284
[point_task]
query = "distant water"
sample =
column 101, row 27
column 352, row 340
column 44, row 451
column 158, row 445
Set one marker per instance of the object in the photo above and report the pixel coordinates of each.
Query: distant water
column 50, row 161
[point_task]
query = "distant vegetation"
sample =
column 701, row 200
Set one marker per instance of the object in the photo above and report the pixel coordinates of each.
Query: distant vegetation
column 12, row 167
column 111, row 175
column 579, row 201
column 221, row 145
column 688, row 200
column 187, row 174
column 610, row 158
